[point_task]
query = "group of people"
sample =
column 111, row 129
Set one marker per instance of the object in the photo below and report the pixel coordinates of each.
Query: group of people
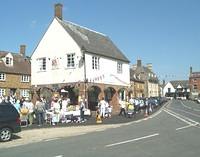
column 104, row 108
column 61, row 105
column 131, row 106
column 56, row 108
column 27, row 109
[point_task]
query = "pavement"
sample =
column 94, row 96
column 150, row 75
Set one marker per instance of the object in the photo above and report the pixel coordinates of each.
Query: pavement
column 115, row 119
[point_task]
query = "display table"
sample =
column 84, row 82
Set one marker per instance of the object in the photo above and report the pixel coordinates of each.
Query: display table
column 77, row 113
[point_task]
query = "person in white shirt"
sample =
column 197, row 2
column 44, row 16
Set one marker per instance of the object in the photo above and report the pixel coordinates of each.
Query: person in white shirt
column 29, row 105
column 102, row 105
column 56, row 111
column 122, row 108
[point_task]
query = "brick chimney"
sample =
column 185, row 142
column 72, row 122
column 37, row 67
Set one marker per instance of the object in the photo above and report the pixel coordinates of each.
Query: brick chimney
column 22, row 50
column 190, row 70
column 58, row 11
column 139, row 63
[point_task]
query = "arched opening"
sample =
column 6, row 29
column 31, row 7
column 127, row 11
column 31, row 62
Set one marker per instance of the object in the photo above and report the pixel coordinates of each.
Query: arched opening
column 46, row 93
column 93, row 93
column 71, row 92
column 122, row 93
column 109, row 93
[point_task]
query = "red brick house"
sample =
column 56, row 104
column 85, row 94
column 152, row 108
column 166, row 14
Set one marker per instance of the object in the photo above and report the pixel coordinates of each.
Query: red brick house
column 194, row 81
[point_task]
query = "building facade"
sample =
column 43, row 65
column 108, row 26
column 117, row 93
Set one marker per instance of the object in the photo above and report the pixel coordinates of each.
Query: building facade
column 137, row 86
column 177, row 89
column 82, row 61
column 15, row 74
column 146, row 75
column 194, row 83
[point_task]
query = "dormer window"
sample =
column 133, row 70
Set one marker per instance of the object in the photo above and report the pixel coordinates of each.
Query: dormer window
column 8, row 60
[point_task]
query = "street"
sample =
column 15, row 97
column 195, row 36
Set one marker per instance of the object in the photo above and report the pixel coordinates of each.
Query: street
column 172, row 131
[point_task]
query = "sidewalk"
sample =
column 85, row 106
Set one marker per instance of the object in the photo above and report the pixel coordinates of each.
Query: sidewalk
column 115, row 119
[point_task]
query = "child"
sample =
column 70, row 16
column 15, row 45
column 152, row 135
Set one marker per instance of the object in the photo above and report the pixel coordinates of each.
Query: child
column 109, row 111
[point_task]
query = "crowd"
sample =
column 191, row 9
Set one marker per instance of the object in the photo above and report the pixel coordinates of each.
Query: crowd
column 41, row 111
column 130, row 107
column 60, row 109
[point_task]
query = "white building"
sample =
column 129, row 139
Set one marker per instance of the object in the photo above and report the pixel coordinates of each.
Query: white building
column 80, row 60
column 177, row 89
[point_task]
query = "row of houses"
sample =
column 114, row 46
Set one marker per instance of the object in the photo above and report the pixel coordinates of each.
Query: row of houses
column 83, row 62
column 183, row 89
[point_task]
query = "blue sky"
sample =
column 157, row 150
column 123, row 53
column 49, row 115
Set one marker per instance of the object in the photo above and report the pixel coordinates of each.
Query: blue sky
column 165, row 33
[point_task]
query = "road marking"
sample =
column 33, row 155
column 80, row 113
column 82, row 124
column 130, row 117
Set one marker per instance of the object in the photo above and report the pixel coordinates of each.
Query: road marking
column 59, row 156
column 184, row 127
column 185, row 119
column 51, row 139
column 186, row 106
column 194, row 109
column 176, row 116
column 132, row 140
column 196, row 115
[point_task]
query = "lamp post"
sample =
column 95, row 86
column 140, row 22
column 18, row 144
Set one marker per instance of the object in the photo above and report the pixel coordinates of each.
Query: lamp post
column 85, row 80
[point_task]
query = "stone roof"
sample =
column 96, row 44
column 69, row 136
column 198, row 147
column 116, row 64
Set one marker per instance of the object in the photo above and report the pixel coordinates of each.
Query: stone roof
column 144, row 74
column 182, row 83
column 21, row 64
column 92, row 41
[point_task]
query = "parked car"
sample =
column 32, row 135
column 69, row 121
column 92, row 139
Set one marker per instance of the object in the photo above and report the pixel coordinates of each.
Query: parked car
column 9, row 121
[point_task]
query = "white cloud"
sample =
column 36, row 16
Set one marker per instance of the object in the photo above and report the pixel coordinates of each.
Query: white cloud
column 33, row 24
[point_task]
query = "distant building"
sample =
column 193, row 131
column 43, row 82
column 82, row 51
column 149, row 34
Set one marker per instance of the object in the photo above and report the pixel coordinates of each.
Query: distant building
column 146, row 75
column 194, row 82
column 82, row 61
column 15, row 74
column 137, row 86
column 177, row 89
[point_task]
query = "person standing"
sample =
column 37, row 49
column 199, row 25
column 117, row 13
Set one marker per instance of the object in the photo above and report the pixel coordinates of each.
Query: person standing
column 102, row 105
column 122, row 108
column 40, row 110
column 29, row 105
column 56, row 110
column 82, row 110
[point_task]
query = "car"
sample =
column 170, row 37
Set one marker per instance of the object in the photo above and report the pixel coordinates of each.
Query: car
column 9, row 121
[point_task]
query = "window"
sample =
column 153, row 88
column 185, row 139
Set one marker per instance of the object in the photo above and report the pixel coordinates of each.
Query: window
column 2, row 92
column 24, row 93
column 2, row 77
column 119, row 68
column 70, row 60
column 95, row 62
column 25, row 78
column 8, row 61
column 42, row 64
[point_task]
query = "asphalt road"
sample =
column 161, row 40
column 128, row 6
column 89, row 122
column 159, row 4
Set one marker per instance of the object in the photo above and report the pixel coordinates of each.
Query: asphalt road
column 173, row 131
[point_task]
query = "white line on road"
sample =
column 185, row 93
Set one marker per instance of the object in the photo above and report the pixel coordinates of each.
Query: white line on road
column 132, row 140
column 59, row 156
column 184, row 127
column 51, row 139
column 194, row 109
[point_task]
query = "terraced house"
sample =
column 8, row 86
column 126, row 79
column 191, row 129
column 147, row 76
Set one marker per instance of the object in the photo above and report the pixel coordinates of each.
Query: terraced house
column 81, row 61
column 149, row 83
column 15, row 73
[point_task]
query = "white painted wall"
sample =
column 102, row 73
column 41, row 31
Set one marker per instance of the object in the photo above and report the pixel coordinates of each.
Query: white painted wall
column 56, row 43
column 165, row 89
column 107, row 74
